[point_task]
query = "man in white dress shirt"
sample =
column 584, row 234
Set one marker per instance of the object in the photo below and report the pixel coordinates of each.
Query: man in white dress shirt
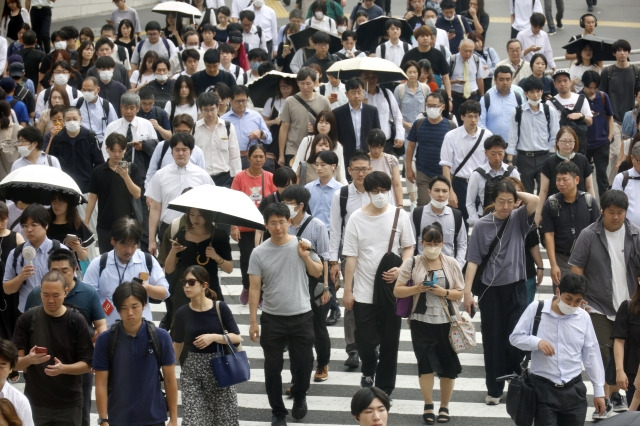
column 8, row 360
column 535, row 40
column 466, row 76
column 266, row 19
column 564, row 336
column 388, row 112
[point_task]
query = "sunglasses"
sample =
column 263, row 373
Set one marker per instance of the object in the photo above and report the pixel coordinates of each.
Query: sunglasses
column 190, row 282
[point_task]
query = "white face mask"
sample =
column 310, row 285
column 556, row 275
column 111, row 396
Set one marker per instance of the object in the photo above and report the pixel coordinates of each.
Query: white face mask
column 449, row 19
column 319, row 16
column 379, row 200
column 566, row 309
column 258, row 3
column 292, row 211
column 60, row 79
column 533, row 103
column 432, row 252
column 24, row 151
column 430, row 21
column 342, row 28
column 60, row 45
column 89, row 96
column 106, row 75
column 439, row 204
column 72, row 126
column 433, row 113
column 161, row 78
column 573, row 154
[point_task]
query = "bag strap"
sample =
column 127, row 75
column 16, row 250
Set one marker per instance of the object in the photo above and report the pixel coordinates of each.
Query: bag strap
column 469, row 154
column 494, row 243
column 225, row 333
column 224, row 329
column 303, row 226
column 393, row 229
column 306, row 105
column 536, row 324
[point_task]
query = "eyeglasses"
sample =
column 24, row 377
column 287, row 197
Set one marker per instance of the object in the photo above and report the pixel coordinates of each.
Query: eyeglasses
column 359, row 170
column 240, row 101
column 190, row 282
column 567, row 141
column 280, row 223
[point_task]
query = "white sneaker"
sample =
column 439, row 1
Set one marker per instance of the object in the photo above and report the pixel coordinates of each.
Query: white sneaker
column 490, row 400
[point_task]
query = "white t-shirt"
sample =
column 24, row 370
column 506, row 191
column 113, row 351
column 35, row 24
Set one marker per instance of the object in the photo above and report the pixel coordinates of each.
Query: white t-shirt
column 138, row 79
column 369, row 247
column 615, row 245
column 192, row 110
column 570, row 102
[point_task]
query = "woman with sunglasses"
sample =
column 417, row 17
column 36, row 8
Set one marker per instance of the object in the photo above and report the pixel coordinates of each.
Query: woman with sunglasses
column 197, row 242
column 199, row 332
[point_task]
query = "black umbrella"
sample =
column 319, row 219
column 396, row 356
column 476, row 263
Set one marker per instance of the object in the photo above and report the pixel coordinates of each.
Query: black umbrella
column 266, row 87
column 369, row 33
column 301, row 39
column 602, row 47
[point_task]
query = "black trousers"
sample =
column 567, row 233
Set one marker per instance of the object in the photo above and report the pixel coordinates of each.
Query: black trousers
column 529, row 168
column 277, row 331
column 375, row 326
column 555, row 406
column 223, row 179
column 41, row 24
column 600, row 159
column 87, row 384
column 460, row 188
column 501, row 308
column 514, row 32
column 322, row 341
column 457, row 99
column 246, row 246
column 104, row 240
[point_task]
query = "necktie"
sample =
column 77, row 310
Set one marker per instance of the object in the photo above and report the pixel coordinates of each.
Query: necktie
column 129, row 134
column 466, row 92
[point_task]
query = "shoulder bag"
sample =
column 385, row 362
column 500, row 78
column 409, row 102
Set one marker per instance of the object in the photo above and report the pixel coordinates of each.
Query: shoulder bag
column 232, row 368
column 404, row 304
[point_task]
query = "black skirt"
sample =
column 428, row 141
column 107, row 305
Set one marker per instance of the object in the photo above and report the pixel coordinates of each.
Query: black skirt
column 433, row 350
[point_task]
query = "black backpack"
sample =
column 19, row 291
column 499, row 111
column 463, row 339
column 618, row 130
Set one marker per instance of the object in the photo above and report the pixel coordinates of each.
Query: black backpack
column 626, row 177
column 165, row 146
column 487, row 100
column 578, row 126
column 457, row 220
column 18, row 250
column 555, row 206
column 491, row 182
column 547, row 115
column 147, row 258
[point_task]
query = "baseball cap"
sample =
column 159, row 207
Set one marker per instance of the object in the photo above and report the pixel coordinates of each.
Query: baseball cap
column 561, row 71
column 16, row 69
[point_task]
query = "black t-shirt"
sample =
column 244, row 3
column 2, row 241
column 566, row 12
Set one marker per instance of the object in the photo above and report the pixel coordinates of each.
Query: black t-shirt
column 549, row 170
column 59, row 232
column 162, row 92
column 324, row 64
column 67, row 339
column 532, row 239
column 78, row 156
column 114, row 199
column 31, row 58
column 572, row 219
column 190, row 324
column 438, row 61
column 627, row 327
column 202, row 80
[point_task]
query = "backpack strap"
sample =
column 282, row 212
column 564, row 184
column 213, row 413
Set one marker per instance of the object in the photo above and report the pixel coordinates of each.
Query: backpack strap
column 383, row 51
column 165, row 148
column 322, row 89
column 457, row 220
column 344, row 196
column 49, row 160
column 149, row 261
column 17, row 252
column 487, row 101
column 173, row 111
column 103, row 263
column 416, row 216
column 227, row 125
column 303, row 226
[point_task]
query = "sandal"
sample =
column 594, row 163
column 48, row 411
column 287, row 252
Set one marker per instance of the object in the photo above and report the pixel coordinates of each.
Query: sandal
column 443, row 415
column 429, row 418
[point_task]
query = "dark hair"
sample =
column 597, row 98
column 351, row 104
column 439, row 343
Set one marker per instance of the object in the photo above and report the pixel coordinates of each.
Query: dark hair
column 239, row 90
column 532, row 83
column 620, row 44
column 376, row 138
column 9, row 413
column 591, row 76
column 503, row 187
column 614, row 198
column 5, row 114
column 425, row 65
column 69, row 31
column 152, row 26
column 364, row 397
column 126, row 231
column 319, row 5
column 207, row 99
column 503, row 69
column 191, row 97
column 146, row 93
column 579, row 60
column 223, row 90
column 349, row 33
column 126, row 290
column 432, row 233
column 254, row 148
column 306, row 72
column 314, row 144
column 186, row 139
column 105, row 62
column 537, row 19
column 224, row 10
column 58, row 109
column 249, row 14
column 436, row 95
column 573, row 283
column 211, row 56
column 276, row 209
column 439, row 178
column 297, row 193
column 102, row 41
column 265, row 67
column 151, row 54
column 567, row 167
column 408, row 64
column 377, row 179
column 183, row 119
column 470, row 106
column 569, row 130
column 116, row 139
column 494, row 141
column 61, row 255
column 128, row 23
column 4, row 210
column 54, row 277
column 320, row 37
column 207, row 27
column 9, row 352
column 536, row 56
column 29, row 38
column 159, row 61
column 422, row 31
column 447, row 4
column 290, row 82
column 258, row 53
column 206, row 215
column 354, row 84
column 201, row 275
column 328, row 157
column 83, row 46
column 284, row 176
column 226, row 48
column 634, row 303
column 359, row 155
column 72, row 217
column 37, row 213
column 392, row 22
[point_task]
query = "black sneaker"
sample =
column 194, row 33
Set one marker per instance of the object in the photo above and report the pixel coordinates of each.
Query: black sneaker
column 278, row 420
column 299, row 409
column 366, row 381
column 353, row 361
column 590, row 8
column 618, row 402
column 560, row 26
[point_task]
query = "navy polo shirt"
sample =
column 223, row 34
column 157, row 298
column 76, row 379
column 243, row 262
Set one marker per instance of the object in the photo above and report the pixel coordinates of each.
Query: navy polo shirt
column 136, row 397
column 598, row 132
column 83, row 297
column 428, row 139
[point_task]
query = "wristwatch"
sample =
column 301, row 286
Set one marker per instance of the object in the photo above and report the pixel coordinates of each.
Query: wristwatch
column 101, row 420
column 325, row 289
column 333, row 262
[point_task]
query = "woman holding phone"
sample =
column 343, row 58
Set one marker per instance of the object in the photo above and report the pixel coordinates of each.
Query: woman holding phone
column 438, row 283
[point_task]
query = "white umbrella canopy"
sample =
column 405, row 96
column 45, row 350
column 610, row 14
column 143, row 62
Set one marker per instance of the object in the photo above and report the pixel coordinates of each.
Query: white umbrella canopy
column 228, row 206
column 36, row 184
column 387, row 71
column 177, row 7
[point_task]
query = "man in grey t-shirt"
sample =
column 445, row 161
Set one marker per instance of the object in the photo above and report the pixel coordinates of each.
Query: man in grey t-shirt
column 278, row 267
column 502, row 293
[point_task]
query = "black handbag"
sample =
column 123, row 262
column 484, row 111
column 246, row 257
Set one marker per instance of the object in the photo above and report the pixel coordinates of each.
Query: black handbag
column 383, row 297
column 521, row 394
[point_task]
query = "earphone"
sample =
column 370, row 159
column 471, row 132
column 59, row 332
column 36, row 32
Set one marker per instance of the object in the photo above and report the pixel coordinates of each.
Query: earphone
column 587, row 15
